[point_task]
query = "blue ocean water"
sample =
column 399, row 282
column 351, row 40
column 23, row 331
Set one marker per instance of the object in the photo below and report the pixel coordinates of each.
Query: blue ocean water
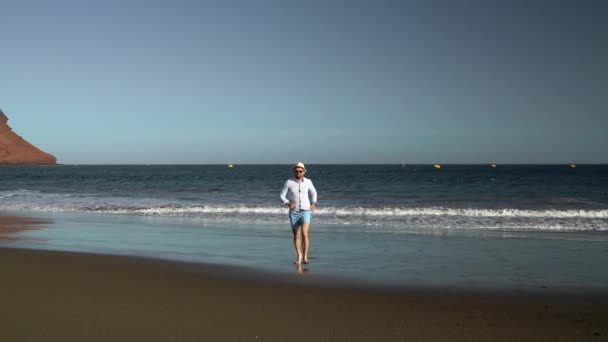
column 397, row 197
column 515, row 227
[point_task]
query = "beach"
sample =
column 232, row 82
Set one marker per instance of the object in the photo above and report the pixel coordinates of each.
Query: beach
column 178, row 253
column 61, row 296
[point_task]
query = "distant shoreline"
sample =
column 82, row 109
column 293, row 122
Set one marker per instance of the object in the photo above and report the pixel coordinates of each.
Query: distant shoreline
column 312, row 164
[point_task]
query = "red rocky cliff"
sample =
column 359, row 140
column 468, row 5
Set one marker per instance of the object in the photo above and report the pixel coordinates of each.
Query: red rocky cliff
column 14, row 150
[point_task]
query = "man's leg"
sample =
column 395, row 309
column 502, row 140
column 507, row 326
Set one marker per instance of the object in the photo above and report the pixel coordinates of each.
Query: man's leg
column 297, row 243
column 306, row 240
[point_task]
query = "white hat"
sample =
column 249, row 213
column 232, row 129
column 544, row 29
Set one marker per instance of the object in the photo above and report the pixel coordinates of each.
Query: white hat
column 299, row 165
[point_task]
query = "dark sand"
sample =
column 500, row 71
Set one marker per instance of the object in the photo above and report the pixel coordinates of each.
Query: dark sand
column 54, row 296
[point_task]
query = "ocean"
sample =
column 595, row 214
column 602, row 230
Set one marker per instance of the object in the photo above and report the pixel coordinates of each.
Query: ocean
column 512, row 226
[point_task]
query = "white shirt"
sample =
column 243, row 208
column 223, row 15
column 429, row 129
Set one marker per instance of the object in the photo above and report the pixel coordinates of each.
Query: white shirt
column 302, row 193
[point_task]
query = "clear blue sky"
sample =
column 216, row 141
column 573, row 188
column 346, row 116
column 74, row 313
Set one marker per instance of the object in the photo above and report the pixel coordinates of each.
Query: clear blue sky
column 331, row 81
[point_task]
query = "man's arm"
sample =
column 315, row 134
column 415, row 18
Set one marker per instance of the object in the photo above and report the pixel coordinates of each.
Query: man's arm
column 312, row 194
column 283, row 196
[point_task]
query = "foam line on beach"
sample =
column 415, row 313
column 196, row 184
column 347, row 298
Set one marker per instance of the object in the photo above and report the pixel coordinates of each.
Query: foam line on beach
column 399, row 217
column 353, row 211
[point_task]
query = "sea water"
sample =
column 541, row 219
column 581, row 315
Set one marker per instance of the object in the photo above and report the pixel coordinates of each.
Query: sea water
column 513, row 226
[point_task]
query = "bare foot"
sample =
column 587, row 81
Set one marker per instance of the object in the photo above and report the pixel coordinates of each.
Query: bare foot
column 298, row 261
column 306, row 261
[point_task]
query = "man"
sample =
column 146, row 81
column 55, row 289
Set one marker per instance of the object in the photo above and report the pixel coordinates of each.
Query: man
column 301, row 197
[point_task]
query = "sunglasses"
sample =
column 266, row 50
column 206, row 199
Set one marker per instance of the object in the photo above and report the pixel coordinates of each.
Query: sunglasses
column 298, row 171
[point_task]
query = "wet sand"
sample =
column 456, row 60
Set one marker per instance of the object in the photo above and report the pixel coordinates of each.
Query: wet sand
column 11, row 226
column 58, row 296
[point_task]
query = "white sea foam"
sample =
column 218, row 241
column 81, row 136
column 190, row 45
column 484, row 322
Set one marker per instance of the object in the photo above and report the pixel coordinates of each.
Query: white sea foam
column 362, row 212
column 64, row 203
column 417, row 217
column 468, row 212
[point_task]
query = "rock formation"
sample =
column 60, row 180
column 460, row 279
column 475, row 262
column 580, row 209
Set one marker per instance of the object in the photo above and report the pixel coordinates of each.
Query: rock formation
column 14, row 150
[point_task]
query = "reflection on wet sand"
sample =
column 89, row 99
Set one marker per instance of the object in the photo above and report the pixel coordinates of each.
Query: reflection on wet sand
column 301, row 270
column 12, row 226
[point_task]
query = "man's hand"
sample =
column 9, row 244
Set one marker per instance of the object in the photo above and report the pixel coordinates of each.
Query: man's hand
column 313, row 207
column 291, row 204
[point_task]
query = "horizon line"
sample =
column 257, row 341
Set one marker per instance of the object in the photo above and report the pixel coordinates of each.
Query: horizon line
column 261, row 164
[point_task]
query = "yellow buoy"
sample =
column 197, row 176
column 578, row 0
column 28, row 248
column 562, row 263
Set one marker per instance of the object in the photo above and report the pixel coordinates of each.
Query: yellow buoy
column 493, row 165
column 573, row 165
column 437, row 166
column 230, row 166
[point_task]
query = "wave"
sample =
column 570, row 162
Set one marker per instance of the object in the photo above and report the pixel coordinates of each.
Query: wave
column 382, row 212
column 327, row 211
column 471, row 212
column 420, row 218
column 404, row 217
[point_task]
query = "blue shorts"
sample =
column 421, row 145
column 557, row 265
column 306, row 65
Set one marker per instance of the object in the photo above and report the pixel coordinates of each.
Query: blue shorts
column 297, row 218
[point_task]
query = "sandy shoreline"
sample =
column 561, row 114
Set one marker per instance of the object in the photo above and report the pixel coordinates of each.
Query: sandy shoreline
column 11, row 226
column 57, row 296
